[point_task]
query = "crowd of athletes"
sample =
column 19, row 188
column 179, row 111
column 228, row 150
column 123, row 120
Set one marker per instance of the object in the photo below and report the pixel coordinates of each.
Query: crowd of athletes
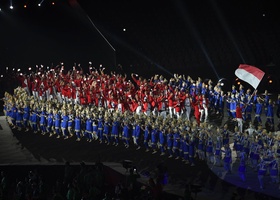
column 159, row 115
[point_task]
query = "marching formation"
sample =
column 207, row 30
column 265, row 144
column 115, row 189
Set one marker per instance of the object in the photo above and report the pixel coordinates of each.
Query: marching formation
column 159, row 115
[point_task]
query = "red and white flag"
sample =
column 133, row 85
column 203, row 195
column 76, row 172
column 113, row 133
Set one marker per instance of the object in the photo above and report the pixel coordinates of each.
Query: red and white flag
column 249, row 74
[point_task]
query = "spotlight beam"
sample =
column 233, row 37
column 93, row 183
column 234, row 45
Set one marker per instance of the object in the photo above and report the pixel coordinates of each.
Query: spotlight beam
column 227, row 29
column 138, row 53
column 83, row 14
column 197, row 37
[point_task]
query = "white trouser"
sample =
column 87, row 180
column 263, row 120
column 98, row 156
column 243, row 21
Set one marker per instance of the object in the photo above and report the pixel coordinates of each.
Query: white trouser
column 148, row 112
column 35, row 94
column 163, row 114
column 59, row 97
column 188, row 112
column 240, row 124
column 155, row 112
column 171, row 111
column 27, row 90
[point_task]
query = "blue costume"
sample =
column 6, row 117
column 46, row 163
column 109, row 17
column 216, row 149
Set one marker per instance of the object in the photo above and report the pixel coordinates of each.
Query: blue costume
column 258, row 111
column 88, row 131
column 64, row 125
column 13, row 114
column 261, row 172
column 162, row 141
column 227, row 159
column 154, row 138
column 19, row 118
column 242, row 166
column 34, row 120
column 70, row 124
column 100, row 129
column 225, row 135
column 126, row 135
column 221, row 104
column 43, row 122
column 228, row 105
column 248, row 108
column 274, row 171
column 147, row 136
column 209, row 148
column 201, row 146
column 238, row 143
column 255, row 154
column 233, row 104
column 57, row 122
column 115, row 132
column 136, row 134
column 266, row 102
column 270, row 114
column 176, row 144
column 169, row 140
column 77, row 127
column 26, row 115
column 185, row 148
column 218, row 151
column 94, row 129
column 106, row 132
column 50, row 123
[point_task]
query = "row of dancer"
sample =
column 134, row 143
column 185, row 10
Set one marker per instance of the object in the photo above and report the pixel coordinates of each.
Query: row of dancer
column 177, row 138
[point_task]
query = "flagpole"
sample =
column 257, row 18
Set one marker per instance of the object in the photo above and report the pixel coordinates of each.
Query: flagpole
column 252, row 95
column 248, row 102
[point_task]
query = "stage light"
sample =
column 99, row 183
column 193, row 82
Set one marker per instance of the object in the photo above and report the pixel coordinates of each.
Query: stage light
column 2, row 75
column 41, row 2
column 124, row 30
column 25, row 6
column 53, row 3
column 11, row 7
column 270, row 81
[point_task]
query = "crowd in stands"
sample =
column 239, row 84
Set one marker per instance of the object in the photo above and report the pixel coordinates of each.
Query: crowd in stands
column 76, row 182
column 159, row 115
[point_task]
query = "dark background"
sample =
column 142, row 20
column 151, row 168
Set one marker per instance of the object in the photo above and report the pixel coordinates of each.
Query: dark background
column 197, row 38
